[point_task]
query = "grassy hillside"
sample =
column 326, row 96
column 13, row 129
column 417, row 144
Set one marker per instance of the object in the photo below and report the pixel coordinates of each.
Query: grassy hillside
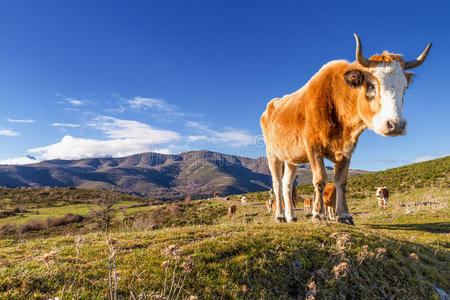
column 434, row 173
column 193, row 250
column 47, row 197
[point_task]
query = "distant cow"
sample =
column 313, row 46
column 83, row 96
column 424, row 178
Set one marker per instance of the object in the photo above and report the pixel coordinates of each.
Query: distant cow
column 216, row 195
column 269, row 202
column 307, row 206
column 382, row 197
column 243, row 200
column 329, row 200
column 232, row 210
column 325, row 118
column 294, row 200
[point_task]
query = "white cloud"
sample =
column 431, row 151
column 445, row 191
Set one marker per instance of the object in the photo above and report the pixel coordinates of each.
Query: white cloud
column 159, row 105
column 232, row 136
column 428, row 157
column 20, row 121
column 65, row 125
column 75, row 102
column 125, row 138
column 7, row 132
column 127, row 129
column 22, row 160
column 194, row 138
column 149, row 103
column 72, row 101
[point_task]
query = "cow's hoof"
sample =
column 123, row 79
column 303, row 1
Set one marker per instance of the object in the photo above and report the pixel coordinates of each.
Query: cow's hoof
column 316, row 219
column 346, row 220
column 280, row 220
column 292, row 220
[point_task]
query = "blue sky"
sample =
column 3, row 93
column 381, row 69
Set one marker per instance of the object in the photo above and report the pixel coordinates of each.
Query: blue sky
column 112, row 78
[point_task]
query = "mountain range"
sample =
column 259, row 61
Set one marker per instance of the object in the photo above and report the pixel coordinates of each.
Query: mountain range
column 154, row 175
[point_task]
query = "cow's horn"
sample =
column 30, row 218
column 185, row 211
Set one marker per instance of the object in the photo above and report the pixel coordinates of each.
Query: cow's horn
column 359, row 53
column 419, row 60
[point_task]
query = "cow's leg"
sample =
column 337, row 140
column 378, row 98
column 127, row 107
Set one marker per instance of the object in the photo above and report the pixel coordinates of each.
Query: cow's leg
column 340, row 180
column 288, row 180
column 276, row 170
column 319, row 180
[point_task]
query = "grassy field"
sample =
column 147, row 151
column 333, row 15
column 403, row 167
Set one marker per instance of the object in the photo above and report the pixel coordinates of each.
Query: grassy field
column 192, row 249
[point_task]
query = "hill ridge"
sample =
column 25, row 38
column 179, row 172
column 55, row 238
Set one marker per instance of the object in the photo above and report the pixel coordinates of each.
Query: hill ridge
column 160, row 176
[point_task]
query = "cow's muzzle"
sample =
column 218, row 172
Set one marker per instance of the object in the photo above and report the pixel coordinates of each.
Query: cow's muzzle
column 396, row 127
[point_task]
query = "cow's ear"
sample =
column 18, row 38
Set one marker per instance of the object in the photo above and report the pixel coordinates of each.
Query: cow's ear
column 409, row 77
column 354, row 78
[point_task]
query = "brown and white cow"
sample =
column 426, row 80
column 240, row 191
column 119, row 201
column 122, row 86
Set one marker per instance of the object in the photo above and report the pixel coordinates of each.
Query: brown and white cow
column 325, row 118
column 329, row 200
column 307, row 206
column 232, row 210
column 382, row 197
column 269, row 202
column 294, row 200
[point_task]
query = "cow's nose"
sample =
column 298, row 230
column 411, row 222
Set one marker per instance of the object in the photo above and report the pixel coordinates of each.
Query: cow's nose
column 395, row 127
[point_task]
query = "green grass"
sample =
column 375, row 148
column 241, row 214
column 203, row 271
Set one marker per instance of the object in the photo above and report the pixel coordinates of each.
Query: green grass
column 45, row 197
column 57, row 211
column 249, row 256
column 399, row 253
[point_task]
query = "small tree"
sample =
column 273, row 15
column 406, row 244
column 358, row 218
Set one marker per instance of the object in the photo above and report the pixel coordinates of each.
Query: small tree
column 104, row 214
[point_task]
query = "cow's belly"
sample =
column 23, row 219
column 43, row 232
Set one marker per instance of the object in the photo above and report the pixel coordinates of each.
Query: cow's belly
column 293, row 155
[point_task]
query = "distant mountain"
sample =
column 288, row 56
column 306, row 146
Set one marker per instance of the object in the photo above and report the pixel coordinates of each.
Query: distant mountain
column 155, row 175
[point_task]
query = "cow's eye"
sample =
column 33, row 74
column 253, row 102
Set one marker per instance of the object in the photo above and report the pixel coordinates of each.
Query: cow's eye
column 371, row 91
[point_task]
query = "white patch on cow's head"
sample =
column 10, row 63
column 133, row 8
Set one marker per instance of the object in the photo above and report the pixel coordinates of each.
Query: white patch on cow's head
column 392, row 85
column 378, row 192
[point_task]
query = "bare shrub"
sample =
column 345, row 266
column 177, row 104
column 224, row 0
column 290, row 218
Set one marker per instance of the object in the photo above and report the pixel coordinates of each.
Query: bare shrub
column 103, row 215
column 340, row 269
column 173, row 283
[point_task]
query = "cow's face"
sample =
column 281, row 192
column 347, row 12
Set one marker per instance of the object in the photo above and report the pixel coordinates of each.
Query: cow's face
column 390, row 86
column 380, row 97
column 382, row 83
column 379, row 193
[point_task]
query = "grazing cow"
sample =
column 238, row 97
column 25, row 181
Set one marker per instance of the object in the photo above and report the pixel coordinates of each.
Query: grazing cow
column 232, row 210
column 329, row 200
column 382, row 197
column 307, row 206
column 243, row 200
column 325, row 118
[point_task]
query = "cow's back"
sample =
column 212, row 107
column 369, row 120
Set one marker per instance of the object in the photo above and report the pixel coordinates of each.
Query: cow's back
column 307, row 117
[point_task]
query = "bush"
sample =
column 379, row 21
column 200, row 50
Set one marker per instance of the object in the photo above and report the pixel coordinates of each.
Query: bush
column 8, row 229
column 36, row 224
column 32, row 225
column 12, row 212
column 67, row 219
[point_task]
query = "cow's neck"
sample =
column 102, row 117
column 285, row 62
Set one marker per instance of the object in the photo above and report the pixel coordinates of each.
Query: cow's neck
column 351, row 126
